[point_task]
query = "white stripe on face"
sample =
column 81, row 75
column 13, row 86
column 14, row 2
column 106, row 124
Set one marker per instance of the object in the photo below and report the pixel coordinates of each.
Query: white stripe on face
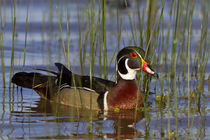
column 138, row 54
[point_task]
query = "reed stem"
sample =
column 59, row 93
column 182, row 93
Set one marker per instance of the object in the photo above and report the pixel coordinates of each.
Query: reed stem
column 68, row 36
column 188, row 59
column 26, row 31
column 104, row 36
column 2, row 57
column 13, row 44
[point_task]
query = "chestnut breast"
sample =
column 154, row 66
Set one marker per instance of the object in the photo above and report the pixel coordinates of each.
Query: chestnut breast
column 124, row 95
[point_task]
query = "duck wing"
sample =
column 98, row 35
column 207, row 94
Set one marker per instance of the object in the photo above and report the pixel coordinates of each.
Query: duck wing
column 67, row 78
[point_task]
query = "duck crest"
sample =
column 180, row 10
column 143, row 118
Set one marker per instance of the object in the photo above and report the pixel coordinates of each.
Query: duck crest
column 124, row 95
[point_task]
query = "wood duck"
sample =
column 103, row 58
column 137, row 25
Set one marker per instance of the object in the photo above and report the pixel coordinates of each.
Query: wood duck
column 67, row 88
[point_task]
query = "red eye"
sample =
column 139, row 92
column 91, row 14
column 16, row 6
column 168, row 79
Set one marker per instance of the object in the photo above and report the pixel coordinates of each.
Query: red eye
column 133, row 55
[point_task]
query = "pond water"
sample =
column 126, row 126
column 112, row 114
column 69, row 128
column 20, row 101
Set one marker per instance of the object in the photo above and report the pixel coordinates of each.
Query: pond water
column 23, row 114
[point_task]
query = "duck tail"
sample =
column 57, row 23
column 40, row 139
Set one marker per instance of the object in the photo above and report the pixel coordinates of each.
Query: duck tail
column 30, row 80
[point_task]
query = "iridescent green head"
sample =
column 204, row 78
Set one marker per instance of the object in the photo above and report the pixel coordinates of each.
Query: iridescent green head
column 131, row 59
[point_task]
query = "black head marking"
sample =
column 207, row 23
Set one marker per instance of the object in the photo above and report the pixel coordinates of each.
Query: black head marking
column 121, row 66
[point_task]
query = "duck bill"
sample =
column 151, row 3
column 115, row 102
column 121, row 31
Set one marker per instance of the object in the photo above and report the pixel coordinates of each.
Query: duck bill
column 147, row 68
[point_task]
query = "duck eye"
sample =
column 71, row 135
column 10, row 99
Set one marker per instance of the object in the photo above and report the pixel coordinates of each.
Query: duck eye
column 133, row 55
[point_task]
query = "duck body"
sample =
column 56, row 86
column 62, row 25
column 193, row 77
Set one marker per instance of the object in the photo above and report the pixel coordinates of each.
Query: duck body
column 75, row 93
column 70, row 89
column 124, row 95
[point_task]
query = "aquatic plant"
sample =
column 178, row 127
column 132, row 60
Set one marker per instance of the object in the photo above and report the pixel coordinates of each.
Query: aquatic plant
column 26, row 31
column 13, row 40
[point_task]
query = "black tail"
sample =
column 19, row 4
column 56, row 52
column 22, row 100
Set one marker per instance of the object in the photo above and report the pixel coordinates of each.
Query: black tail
column 30, row 80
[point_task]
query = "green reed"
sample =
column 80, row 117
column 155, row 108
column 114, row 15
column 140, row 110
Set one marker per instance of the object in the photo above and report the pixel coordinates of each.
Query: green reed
column 148, row 26
column 165, row 62
column 2, row 58
column 26, row 31
column 151, row 35
column 104, row 37
column 93, row 22
column 188, row 59
column 203, row 55
column 2, row 50
column 50, row 17
column 83, row 42
column 153, row 39
column 68, row 36
column 175, row 52
column 155, row 35
column 43, row 27
column 60, row 18
column 173, row 64
column 50, row 25
column 183, row 48
column 80, row 41
column 13, row 42
column 133, row 31
column 91, row 17
column 99, row 40
column 3, row 20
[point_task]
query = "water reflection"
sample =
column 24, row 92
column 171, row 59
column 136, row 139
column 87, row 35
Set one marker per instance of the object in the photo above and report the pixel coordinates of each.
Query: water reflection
column 57, row 120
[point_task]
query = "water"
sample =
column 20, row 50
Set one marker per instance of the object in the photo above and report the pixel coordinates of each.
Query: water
column 24, row 115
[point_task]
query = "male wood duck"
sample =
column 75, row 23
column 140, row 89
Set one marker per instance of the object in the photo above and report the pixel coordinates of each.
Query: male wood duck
column 67, row 88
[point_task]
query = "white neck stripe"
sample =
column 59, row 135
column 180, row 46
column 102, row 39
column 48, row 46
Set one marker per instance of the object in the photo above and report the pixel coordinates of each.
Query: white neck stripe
column 105, row 101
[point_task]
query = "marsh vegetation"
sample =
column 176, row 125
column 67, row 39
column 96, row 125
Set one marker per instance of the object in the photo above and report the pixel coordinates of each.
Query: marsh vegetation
column 86, row 36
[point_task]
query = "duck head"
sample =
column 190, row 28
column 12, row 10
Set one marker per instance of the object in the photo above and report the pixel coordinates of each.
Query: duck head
column 129, row 61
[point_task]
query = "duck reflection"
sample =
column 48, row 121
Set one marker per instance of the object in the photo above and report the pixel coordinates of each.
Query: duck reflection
column 107, row 125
